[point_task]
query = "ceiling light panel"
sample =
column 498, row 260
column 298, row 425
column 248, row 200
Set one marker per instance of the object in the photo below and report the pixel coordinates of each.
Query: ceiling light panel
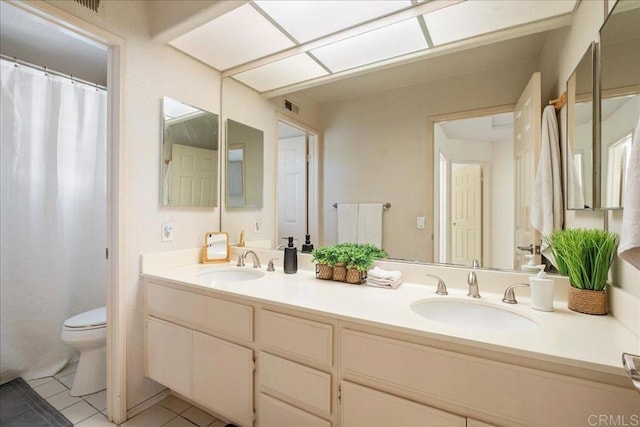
column 309, row 20
column 234, row 38
column 294, row 69
column 476, row 17
column 377, row 45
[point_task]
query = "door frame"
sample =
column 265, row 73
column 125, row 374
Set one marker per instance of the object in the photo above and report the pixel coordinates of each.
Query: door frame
column 313, row 187
column 434, row 225
column 116, row 305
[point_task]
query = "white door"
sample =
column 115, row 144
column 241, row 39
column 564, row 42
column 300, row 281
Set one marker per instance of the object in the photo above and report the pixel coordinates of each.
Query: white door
column 193, row 176
column 528, row 120
column 466, row 213
column 223, row 378
column 168, row 349
column 292, row 188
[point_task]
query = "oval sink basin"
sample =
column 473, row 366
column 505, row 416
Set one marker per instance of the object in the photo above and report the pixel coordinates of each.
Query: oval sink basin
column 228, row 275
column 473, row 315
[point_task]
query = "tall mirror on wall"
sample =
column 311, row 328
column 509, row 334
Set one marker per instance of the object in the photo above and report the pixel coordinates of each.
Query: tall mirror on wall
column 619, row 98
column 245, row 166
column 579, row 161
column 189, row 164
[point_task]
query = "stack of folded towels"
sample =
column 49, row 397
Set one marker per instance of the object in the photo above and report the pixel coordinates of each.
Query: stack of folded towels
column 384, row 278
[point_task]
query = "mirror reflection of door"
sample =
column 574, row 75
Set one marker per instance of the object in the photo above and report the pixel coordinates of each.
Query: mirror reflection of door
column 474, row 190
column 294, row 181
column 466, row 213
column 194, row 174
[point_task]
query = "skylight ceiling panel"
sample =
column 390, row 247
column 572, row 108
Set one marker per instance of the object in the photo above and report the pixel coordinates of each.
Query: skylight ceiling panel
column 294, row 69
column 234, row 38
column 377, row 45
column 476, row 17
column 309, row 20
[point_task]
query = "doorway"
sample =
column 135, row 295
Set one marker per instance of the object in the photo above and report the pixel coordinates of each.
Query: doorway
column 296, row 182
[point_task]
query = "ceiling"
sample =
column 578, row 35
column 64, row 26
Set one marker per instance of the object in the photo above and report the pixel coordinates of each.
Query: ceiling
column 279, row 45
column 33, row 40
column 498, row 127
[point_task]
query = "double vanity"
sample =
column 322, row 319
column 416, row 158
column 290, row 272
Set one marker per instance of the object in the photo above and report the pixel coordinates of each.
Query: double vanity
column 265, row 348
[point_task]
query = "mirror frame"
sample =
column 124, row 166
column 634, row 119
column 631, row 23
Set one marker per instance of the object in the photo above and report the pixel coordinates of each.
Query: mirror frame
column 595, row 121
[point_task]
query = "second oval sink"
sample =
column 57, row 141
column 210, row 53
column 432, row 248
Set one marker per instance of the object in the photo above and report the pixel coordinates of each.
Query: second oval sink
column 227, row 275
column 473, row 316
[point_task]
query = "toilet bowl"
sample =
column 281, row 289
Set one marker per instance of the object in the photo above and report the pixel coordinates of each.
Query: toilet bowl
column 87, row 333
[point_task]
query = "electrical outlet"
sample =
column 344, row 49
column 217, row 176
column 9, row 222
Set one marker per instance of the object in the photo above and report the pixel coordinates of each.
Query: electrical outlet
column 257, row 226
column 167, row 231
column 420, row 222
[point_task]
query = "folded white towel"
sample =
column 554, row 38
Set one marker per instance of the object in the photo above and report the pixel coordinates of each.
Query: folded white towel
column 378, row 273
column 629, row 248
column 383, row 284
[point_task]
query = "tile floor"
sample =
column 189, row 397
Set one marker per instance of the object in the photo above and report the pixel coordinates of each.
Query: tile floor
column 91, row 410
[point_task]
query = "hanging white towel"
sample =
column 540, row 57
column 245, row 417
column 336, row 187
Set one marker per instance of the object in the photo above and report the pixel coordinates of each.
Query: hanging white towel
column 347, row 222
column 546, row 204
column 629, row 248
column 370, row 223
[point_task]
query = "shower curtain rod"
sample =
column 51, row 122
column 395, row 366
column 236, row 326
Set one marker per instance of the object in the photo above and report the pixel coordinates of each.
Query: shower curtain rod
column 50, row 71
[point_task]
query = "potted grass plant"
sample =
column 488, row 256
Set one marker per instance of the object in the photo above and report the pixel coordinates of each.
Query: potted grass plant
column 359, row 257
column 325, row 258
column 585, row 255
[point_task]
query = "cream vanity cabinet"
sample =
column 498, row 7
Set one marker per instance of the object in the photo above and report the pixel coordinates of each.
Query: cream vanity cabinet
column 295, row 370
column 189, row 349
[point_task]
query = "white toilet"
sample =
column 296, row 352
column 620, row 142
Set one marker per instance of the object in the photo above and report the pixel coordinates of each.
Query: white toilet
column 87, row 332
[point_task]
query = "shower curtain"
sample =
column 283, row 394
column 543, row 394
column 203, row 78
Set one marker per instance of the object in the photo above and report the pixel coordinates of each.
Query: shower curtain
column 53, row 215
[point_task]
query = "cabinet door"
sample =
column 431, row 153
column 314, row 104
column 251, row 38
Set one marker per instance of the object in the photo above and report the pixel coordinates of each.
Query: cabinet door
column 363, row 406
column 274, row 413
column 223, row 378
column 169, row 355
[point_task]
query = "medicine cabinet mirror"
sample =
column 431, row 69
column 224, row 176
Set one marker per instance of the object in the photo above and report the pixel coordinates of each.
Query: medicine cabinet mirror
column 619, row 97
column 189, row 164
column 245, row 166
column 579, row 162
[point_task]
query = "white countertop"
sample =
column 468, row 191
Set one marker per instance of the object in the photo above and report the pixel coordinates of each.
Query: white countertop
column 565, row 337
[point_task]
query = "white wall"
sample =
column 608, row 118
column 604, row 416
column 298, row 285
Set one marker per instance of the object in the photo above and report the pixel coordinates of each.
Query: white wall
column 502, row 218
column 375, row 149
column 152, row 71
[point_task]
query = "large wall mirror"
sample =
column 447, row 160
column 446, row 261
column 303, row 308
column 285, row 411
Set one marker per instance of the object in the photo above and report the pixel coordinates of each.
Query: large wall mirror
column 579, row 162
column 245, row 166
column 189, row 164
column 619, row 97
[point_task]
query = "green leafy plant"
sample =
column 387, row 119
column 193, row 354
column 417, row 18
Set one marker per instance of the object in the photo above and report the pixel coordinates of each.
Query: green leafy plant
column 585, row 255
column 353, row 255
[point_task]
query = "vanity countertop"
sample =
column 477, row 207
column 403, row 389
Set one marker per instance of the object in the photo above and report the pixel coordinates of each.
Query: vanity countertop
column 564, row 337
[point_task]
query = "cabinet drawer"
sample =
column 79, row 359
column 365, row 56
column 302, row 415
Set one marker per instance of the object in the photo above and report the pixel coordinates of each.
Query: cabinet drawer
column 363, row 406
column 274, row 413
column 480, row 385
column 214, row 314
column 169, row 355
column 301, row 338
column 303, row 386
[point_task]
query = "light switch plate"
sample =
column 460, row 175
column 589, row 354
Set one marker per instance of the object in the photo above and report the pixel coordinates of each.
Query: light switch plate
column 167, row 231
column 420, row 222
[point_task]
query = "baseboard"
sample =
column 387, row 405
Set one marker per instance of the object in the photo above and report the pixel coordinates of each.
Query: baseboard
column 147, row 403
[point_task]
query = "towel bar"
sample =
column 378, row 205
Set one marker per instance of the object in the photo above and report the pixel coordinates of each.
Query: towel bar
column 386, row 205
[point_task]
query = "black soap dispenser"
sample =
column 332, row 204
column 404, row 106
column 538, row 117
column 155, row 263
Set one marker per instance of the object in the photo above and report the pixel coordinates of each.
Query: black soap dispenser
column 307, row 248
column 290, row 257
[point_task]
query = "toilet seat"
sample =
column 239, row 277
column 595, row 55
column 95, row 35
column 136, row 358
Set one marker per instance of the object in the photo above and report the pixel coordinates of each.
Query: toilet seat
column 92, row 319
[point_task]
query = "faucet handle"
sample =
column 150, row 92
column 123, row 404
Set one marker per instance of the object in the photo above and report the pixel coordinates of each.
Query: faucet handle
column 240, row 261
column 475, row 264
column 270, row 264
column 442, row 287
column 510, row 295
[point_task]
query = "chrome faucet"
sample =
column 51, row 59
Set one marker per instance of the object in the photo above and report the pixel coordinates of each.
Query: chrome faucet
column 442, row 288
column 510, row 295
column 472, row 281
column 256, row 260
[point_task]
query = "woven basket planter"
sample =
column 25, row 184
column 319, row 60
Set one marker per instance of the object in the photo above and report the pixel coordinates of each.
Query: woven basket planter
column 355, row 276
column 587, row 301
column 339, row 272
column 324, row 272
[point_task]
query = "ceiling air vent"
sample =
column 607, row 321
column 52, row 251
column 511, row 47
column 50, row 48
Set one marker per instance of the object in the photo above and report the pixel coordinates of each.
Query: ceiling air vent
column 89, row 4
column 290, row 106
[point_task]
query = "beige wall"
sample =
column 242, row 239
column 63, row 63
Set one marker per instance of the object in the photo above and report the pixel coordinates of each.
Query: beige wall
column 375, row 149
column 152, row 71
